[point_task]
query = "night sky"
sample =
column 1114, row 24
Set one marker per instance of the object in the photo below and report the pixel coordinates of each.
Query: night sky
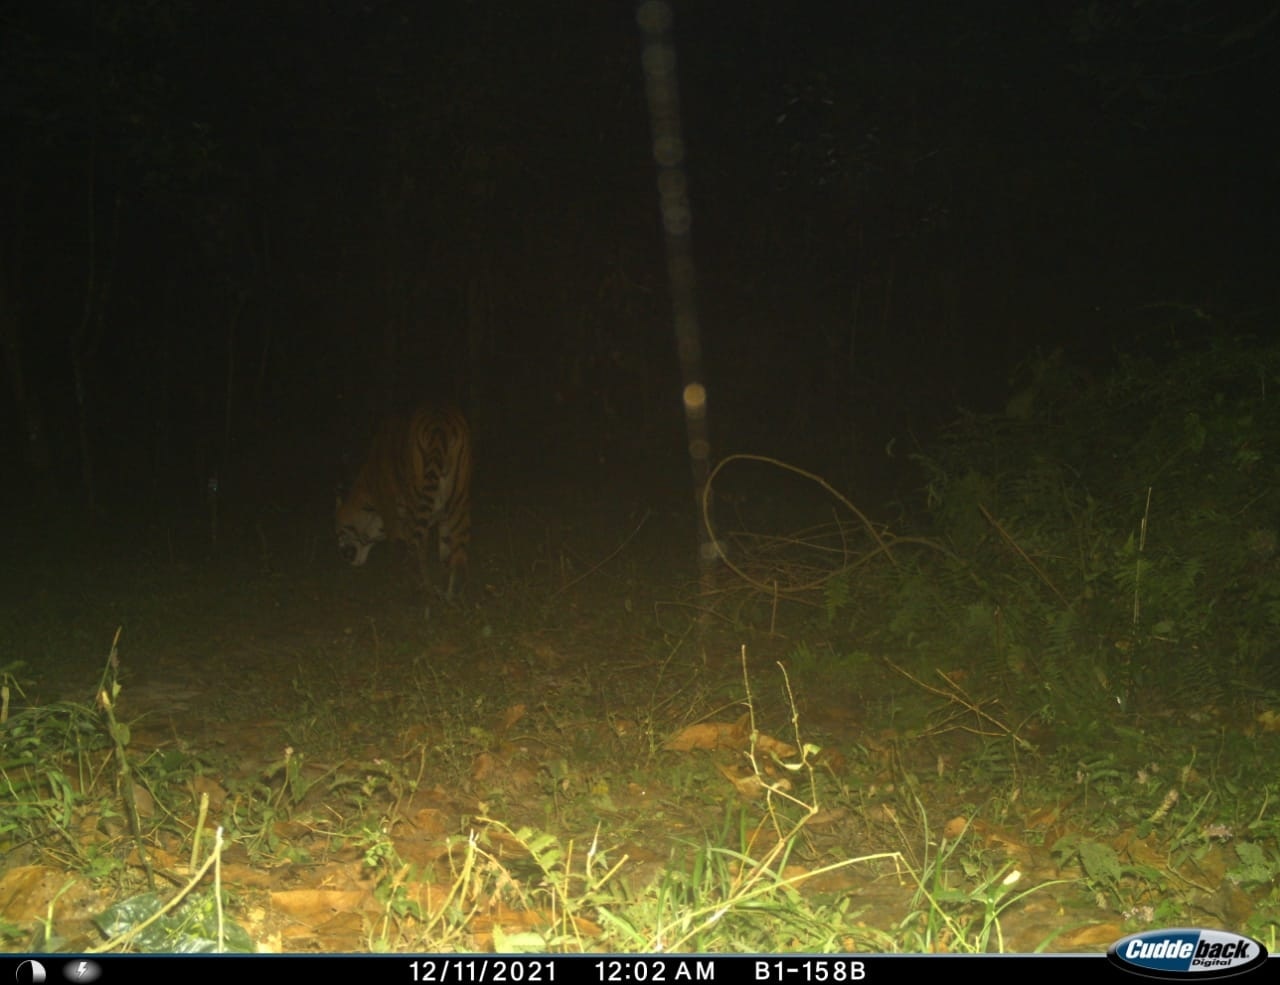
column 236, row 234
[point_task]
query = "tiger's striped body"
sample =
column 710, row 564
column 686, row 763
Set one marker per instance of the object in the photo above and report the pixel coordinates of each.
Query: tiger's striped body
column 417, row 477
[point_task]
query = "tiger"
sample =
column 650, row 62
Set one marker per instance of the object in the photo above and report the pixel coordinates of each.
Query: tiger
column 417, row 476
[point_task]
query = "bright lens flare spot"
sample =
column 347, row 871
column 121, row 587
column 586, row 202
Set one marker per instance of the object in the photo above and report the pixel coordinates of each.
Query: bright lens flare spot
column 695, row 397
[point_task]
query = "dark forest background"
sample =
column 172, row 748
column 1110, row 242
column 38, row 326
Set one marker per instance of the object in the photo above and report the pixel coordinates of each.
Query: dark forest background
column 234, row 234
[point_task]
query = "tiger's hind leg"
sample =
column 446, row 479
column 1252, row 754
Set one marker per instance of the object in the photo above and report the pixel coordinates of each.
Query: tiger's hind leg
column 429, row 580
column 455, row 537
column 425, row 587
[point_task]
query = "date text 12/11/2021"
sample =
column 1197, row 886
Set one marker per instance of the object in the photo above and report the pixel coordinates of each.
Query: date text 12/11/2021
column 634, row 969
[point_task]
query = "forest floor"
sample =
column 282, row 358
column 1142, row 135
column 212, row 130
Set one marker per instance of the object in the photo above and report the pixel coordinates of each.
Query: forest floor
column 594, row 751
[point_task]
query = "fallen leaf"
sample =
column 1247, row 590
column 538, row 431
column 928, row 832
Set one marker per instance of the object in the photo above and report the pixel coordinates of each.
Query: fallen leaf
column 708, row 735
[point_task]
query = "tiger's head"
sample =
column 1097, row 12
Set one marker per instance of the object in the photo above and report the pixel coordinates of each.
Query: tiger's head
column 359, row 527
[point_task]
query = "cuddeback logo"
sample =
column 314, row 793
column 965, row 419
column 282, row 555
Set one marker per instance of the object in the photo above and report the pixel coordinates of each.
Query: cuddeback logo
column 1187, row 953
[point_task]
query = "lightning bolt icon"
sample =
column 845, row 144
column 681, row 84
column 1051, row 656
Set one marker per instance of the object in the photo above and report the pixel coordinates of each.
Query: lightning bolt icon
column 80, row 970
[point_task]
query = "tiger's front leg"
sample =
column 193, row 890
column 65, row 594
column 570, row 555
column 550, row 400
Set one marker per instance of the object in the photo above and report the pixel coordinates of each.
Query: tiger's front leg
column 453, row 559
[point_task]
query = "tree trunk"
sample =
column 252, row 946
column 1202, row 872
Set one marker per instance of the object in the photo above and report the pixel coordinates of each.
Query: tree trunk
column 25, row 401
column 87, row 336
column 265, row 272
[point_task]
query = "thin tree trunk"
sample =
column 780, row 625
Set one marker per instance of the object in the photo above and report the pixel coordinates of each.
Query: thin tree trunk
column 25, row 401
column 218, row 468
column 87, row 337
column 228, row 416
column 268, row 323
column 80, row 334
column 478, row 306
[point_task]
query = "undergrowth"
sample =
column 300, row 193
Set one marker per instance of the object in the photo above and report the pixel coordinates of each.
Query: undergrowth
column 1114, row 540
